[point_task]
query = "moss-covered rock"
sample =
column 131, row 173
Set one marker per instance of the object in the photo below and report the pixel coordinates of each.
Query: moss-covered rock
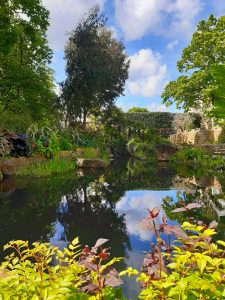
column 91, row 163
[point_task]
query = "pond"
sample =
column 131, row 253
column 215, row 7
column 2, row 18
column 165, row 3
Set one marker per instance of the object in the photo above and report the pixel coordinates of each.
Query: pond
column 110, row 204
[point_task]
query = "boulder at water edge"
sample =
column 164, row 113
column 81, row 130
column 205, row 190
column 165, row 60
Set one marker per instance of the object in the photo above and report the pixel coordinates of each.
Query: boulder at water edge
column 91, row 163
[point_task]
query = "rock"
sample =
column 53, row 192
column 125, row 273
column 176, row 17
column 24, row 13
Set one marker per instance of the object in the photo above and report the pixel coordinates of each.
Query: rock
column 7, row 168
column 165, row 151
column 13, row 144
column 91, row 163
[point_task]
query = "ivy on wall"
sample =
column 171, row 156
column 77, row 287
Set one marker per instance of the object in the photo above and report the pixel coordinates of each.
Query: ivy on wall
column 161, row 121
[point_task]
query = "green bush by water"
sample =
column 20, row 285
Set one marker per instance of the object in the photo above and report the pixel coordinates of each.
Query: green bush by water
column 197, row 157
column 188, row 154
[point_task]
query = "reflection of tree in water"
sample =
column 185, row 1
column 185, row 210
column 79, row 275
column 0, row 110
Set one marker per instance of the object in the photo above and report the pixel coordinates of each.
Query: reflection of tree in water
column 136, row 175
column 89, row 211
column 204, row 190
column 28, row 208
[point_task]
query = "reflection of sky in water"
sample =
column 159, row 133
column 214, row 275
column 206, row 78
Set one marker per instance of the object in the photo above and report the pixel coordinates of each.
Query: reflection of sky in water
column 59, row 237
column 133, row 205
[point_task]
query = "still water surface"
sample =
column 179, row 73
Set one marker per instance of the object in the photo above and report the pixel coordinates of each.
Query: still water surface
column 108, row 204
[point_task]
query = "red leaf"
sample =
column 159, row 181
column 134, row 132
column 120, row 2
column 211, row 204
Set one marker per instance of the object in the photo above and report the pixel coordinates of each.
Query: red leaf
column 193, row 205
column 213, row 224
column 176, row 230
column 104, row 254
column 180, row 209
column 112, row 279
column 90, row 288
column 164, row 219
column 98, row 244
column 90, row 265
column 153, row 213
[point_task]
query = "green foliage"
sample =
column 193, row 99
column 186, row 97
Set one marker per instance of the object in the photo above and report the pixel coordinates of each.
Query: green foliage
column 90, row 152
column 188, row 154
column 45, row 272
column 51, row 167
column 161, row 121
column 26, row 81
column 114, row 138
column 205, row 50
column 141, row 150
column 196, row 269
column 96, row 68
column 218, row 93
column 16, row 122
column 47, row 141
column 137, row 110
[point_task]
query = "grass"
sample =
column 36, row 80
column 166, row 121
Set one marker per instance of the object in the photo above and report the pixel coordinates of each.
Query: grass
column 94, row 153
column 54, row 166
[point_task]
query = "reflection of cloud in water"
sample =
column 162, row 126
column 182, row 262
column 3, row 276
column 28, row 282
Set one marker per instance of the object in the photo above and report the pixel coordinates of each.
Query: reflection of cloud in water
column 131, row 286
column 59, row 237
column 134, row 205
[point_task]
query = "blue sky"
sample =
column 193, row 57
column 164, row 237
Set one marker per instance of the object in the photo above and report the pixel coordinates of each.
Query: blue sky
column 154, row 33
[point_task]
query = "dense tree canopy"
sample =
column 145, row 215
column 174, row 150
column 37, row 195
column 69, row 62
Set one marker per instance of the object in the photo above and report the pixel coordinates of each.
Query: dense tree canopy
column 207, row 48
column 96, row 68
column 137, row 109
column 218, row 94
column 25, row 79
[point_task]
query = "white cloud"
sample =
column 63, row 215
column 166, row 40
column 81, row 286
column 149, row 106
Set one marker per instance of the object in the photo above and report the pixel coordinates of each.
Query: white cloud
column 136, row 18
column 134, row 207
column 157, row 107
column 64, row 16
column 171, row 46
column 147, row 74
column 183, row 15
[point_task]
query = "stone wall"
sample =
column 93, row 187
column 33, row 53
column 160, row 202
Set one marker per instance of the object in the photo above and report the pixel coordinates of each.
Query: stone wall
column 196, row 136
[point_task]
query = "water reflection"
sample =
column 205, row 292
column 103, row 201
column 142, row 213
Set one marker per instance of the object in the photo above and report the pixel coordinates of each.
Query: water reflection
column 108, row 204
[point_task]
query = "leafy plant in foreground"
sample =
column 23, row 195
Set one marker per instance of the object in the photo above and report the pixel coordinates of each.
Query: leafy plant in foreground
column 45, row 272
column 191, row 268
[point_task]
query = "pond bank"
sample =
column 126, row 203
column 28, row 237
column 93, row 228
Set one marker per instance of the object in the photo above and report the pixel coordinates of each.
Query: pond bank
column 10, row 166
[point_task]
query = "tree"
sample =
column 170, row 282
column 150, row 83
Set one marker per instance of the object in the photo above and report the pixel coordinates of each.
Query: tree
column 218, row 93
column 207, row 48
column 183, row 122
column 96, row 68
column 26, row 82
column 137, row 109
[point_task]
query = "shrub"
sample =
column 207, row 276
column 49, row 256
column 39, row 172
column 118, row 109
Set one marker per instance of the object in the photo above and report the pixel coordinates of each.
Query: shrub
column 188, row 154
column 43, row 141
column 196, row 269
column 191, row 268
column 140, row 150
column 45, row 272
